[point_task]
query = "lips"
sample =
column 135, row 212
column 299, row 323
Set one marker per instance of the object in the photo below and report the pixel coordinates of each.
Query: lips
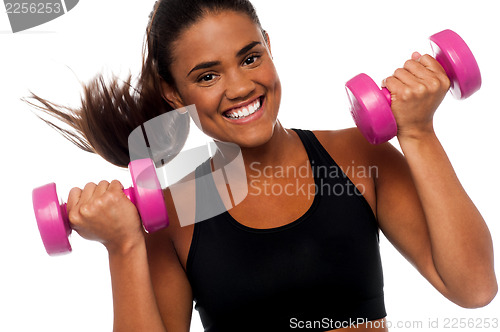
column 244, row 111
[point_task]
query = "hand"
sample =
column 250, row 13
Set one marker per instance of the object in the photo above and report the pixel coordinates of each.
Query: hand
column 417, row 89
column 103, row 213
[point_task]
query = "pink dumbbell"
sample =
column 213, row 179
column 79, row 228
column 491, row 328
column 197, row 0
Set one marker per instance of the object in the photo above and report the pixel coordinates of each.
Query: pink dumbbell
column 371, row 106
column 146, row 194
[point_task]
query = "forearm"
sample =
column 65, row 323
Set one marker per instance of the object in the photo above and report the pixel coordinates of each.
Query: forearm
column 462, row 249
column 134, row 302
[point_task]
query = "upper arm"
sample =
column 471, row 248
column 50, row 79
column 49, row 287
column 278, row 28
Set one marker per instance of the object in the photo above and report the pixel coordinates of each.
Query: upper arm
column 170, row 283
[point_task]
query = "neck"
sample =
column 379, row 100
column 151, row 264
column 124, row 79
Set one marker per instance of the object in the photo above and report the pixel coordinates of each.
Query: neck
column 274, row 152
column 277, row 151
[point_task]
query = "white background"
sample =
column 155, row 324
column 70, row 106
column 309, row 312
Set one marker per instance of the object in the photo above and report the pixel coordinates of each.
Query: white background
column 317, row 46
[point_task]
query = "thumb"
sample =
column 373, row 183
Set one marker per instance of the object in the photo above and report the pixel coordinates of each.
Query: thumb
column 416, row 56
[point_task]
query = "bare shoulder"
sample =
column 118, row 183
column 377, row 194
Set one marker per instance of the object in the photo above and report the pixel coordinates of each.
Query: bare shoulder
column 347, row 136
column 349, row 144
column 345, row 144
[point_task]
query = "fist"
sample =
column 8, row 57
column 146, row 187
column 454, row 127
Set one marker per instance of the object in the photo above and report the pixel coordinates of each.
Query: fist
column 417, row 89
column 103, row 213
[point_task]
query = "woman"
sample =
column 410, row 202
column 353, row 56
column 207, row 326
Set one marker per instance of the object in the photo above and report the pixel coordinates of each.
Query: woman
column 297, row 259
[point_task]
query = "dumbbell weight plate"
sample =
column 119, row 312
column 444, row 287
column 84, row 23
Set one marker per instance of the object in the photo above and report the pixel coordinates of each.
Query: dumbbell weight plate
column 451, row 51
column 148, row 195
column 50, row 218
column 371, row 109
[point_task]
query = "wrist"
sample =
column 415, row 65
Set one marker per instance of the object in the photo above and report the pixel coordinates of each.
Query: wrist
column 413, row 135
column 126, row 245
column 418, row 142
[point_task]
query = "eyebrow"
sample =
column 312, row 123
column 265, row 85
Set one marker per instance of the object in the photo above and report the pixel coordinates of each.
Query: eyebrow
column 208, row 64
column 247, row 48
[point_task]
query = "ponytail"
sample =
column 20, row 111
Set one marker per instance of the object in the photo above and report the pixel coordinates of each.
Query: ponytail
column 109, row 112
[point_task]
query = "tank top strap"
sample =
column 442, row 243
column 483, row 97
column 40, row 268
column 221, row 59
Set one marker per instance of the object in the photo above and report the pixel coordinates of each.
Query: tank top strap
column 208, row 201
column 315, row 151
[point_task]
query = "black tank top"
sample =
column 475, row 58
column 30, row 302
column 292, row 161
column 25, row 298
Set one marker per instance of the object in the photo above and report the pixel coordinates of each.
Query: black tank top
column 322, row 270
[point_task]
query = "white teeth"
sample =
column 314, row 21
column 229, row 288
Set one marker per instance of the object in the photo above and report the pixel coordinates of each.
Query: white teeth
column 244, row 111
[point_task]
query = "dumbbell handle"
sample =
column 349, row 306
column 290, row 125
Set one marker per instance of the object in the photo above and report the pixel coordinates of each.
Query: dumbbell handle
column 387, row 94
column 146, row 194
column 52, row 217
column 129, row 192
column 463, row 84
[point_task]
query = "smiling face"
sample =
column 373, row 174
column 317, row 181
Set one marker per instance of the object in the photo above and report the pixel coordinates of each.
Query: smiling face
column 223, row 65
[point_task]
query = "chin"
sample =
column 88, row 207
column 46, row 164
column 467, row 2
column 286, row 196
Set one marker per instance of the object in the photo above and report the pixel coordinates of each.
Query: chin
column 255, row 138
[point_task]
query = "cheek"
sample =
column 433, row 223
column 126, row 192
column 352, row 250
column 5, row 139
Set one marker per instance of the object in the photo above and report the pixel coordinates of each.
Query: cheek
column 204, row 99
column 206, row 102
column 270, row 79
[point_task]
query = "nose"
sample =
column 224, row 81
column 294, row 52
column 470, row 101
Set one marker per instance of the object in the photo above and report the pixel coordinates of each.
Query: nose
column 239, row 85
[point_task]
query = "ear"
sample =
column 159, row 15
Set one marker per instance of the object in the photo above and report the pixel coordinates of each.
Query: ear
column 171, row 95
column 268, row 42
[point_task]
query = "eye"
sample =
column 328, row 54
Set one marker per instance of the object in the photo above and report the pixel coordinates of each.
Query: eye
column 251, row 59
column 206, row 78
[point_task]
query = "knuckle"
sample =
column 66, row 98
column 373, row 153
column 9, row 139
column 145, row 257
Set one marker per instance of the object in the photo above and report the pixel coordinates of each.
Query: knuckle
column 111, row 197
column 434, row 84
column 99, row 202
column 406, row 93
column 74, row 217
column 420, row 89
column 86, row 210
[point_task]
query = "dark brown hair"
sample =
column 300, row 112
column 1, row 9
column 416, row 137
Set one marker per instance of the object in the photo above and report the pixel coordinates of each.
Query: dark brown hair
column 110, row 111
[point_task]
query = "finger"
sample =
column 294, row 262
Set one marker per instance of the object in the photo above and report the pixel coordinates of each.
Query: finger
column 101, row 188
column 430, row 63
column 417, row 69
column 394, row 85
column 416, row 56
column 431, row 73
column 405, row 76
column 116, row 188
column 87, row 193
column 115, row 185
column 73, row 198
